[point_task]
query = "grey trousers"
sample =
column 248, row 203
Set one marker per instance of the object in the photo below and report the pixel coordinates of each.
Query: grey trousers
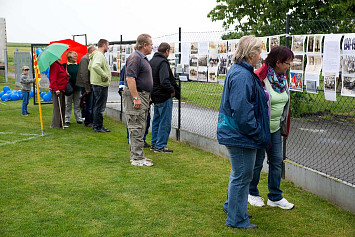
column 73, row 98
column 136, row 122
column 56, row 121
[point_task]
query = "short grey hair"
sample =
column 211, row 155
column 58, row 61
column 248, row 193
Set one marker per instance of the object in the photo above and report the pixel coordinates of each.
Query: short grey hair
column 248, row 47
column 141, row 40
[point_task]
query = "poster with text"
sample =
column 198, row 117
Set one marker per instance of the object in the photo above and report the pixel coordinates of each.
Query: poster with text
column 331, row 55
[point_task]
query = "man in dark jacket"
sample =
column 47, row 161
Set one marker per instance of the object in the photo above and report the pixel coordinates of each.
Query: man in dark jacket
column 83, row 80
column 164, row 89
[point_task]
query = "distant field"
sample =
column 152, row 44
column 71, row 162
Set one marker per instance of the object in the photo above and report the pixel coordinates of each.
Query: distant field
column 11, row 47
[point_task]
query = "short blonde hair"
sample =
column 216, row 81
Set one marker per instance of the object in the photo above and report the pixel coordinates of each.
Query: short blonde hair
column 248, row 47
column 141, row 40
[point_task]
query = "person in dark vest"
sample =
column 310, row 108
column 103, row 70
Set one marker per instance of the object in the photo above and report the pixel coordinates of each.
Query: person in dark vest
column 83, row 80
column 164, row 89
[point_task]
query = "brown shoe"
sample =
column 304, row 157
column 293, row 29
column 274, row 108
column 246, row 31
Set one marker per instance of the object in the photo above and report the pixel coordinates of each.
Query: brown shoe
column 88, row 125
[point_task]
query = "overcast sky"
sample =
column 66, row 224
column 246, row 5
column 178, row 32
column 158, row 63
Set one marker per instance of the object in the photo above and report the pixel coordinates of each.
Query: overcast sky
column 42, row 21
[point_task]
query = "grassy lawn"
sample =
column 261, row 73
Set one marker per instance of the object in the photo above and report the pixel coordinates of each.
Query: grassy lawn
column 79, row 183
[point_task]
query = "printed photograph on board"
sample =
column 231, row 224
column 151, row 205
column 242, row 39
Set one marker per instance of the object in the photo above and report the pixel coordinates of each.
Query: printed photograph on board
column 202, row 60
column 213, row 47
column 348, row 65
column 202, row 74
column 348, row 87
column 298, row 43
column 212, row 74
column 274, row 41
column 194, row 48
column 297, row 63
column 310, row 44
column 193, row 73
column 296, row 81
column 318, row 43
column 311, row 87
column 222, row 47
column 193, row 60
column 222, row 66
column 213, row 60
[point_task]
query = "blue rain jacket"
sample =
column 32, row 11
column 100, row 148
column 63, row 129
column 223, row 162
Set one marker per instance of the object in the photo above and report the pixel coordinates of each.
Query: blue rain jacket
column 243, row 119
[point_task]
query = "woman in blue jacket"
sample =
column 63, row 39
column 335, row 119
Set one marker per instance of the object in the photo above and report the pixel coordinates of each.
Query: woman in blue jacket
column 243, row 127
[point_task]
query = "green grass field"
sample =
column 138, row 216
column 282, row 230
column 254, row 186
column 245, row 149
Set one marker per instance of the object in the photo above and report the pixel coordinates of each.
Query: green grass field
column 79, row 183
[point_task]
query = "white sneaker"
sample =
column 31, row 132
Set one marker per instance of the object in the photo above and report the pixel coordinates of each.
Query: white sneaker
column 144, row 159
column 142, row 163
column 283, row 203
column 256, row 201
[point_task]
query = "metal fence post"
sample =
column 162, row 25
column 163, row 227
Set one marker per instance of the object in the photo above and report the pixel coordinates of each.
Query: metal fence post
column 120, row 76
column 179, row 101
column 6, row 65
column 284, row 140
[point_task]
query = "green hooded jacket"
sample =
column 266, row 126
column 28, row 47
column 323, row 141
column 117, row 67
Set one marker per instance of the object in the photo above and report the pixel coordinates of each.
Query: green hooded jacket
column 99, row 69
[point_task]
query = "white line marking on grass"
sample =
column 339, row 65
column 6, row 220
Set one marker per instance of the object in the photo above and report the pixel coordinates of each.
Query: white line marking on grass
column 4, row 142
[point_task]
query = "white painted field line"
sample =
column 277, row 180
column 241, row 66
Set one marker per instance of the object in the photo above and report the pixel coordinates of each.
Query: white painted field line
column 4, row 142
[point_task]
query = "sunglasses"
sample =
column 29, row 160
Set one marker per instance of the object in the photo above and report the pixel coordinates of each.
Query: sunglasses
column 26, row 69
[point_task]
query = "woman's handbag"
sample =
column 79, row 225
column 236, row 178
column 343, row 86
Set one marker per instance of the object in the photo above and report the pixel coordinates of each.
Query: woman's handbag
column 69, row 89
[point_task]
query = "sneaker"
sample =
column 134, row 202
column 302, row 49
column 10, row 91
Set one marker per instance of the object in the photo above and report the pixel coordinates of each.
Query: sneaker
column 146, row 145
column 79, row 122
column 256, row 201
column 66, row 126
column 163, row 150
column 88, row 125
column 283, row 203
column 28, row 113
column 143, row 162
column 25, row 115
column 144, row 159
column 153, row 148
column 67, row 123
column 106, row 129
column 99, row 130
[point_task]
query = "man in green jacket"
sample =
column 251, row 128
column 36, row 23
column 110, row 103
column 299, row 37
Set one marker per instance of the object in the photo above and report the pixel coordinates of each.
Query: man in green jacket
column 100, row 78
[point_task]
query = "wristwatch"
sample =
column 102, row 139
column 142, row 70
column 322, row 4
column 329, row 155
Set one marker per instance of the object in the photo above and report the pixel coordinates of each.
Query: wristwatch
column 135, row 98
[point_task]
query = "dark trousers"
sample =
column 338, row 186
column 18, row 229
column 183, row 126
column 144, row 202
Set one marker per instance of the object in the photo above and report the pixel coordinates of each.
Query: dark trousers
column 88, row 108
column 100, row 99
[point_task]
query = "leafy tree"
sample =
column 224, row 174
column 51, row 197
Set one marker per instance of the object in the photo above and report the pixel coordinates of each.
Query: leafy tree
column 262, row 17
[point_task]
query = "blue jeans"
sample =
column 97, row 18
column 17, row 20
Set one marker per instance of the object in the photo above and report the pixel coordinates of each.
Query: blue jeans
column 242, row 161
column 274, row 156
column 161, row 125
column 100, row 99
column 25, row 98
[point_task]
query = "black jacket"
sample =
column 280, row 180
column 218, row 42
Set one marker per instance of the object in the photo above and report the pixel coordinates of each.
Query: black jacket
column 162, row 90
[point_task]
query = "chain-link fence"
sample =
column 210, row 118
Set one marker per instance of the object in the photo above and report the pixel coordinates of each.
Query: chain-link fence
column 21, row 59
column 322, row 131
